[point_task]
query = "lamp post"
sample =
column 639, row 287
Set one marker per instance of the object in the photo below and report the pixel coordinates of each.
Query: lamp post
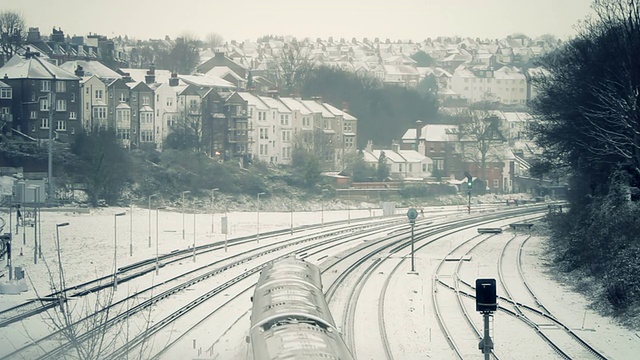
column 194, row 235
column 258, row 234
column 349, row 205
column 35, row 226
column 63, row 293
column 212, row 219
column 150, row 196
column 131, row 229
column 52, row 100
column 322, row 207
column 184, row 192
column 157, row 239
column 115, row 249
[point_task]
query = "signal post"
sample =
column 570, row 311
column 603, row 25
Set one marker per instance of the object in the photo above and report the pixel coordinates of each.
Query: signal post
column 486, row 304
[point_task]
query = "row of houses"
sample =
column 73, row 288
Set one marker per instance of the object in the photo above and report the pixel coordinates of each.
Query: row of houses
column 444, row 153
column 473, row 70
column 144, row 106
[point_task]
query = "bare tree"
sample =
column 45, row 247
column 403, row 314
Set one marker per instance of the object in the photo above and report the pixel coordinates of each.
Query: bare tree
column 294, row 64
column 213, row 40
column 12, row 33
column 481, row 140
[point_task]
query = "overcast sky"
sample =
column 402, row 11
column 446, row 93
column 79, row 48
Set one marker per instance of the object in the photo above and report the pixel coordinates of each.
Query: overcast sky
column 250, row 19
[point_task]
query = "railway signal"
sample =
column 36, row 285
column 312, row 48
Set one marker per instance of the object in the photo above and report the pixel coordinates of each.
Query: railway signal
column 412, row 214
column 486, row 303
column 469, row 187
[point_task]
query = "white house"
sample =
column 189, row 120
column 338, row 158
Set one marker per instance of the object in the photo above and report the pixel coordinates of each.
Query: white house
column 93, row 94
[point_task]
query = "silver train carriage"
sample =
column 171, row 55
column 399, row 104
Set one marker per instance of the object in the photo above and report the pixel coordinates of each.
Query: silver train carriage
column 290, row 318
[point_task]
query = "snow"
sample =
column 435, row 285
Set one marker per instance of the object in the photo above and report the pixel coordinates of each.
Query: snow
column 87, row 249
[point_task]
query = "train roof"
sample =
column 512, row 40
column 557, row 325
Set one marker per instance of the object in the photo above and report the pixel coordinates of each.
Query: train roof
column 286, row 299
column 292, row 269
column 295, row 340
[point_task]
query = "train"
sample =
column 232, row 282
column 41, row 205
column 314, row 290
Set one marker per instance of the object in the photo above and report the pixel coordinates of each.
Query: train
column 290, row 318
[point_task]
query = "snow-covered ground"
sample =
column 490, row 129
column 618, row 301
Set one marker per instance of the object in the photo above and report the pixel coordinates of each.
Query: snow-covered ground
column 87, row 249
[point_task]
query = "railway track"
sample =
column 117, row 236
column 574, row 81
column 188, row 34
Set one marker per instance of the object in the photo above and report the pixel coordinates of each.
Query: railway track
column 521, row 311
column 242, row 257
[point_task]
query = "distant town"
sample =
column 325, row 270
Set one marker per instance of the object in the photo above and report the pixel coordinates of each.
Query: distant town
column 241, row 98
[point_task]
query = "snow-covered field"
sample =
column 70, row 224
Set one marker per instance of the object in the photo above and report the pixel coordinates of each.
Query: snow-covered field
column 87, row 250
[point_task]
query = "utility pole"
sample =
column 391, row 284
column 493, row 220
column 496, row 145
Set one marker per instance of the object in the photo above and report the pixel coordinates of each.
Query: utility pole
column 52, row 101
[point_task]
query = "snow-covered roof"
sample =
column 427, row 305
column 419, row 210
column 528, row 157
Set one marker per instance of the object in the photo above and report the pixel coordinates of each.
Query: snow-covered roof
column 337, row 112
column 317, row 108
column 253, row 100
column 91, row 67
column 34, row 68
column 275, row 104
column 206, row 81
column 413, row 156
column 294, row 104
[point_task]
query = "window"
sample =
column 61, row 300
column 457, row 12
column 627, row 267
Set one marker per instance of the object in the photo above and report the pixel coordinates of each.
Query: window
column 400, row 167
column 73, row 97
column 4, row 110
column 45, row 85
column 169, row 101
column 122, row 134
column 171, row 120
column 495, row 183
column 44, row 123
column 348, row 142
column 100, row 112
column 145, row 100
column 146, row 135
column 61, row 86
column 424, row 167
column 33, row 115
column 410, row 167
column 73, row 115
column 44, row 104
column 61, row 105
column 61, row 125
column 123, row 97
column 6, row 93
column 123, row 116
column 348, row 127
column 99, row 95
column 146, row 117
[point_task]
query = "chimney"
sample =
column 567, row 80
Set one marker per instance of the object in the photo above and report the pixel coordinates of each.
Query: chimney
column 150, row 78
column 317, row 99
column 79, row 71
column 173, row 80
column 33, row 35
column 369, row 147
column 394, row 146
column 127, row 78
column 418, row 134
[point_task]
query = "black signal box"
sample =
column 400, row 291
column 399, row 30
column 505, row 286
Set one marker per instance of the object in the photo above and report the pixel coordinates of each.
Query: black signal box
column 486, row 295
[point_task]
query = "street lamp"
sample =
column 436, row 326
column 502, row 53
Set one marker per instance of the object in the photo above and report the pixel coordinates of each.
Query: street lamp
column 115, row 249
column 212, row 220
column 184, row 192
column 258, row 234
column 322, row 206
column 150, row 196
column 157, row 239
column 63, row 293
column 194, row 235
column 35, row 225
column 349, row 205
column 52, row 101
